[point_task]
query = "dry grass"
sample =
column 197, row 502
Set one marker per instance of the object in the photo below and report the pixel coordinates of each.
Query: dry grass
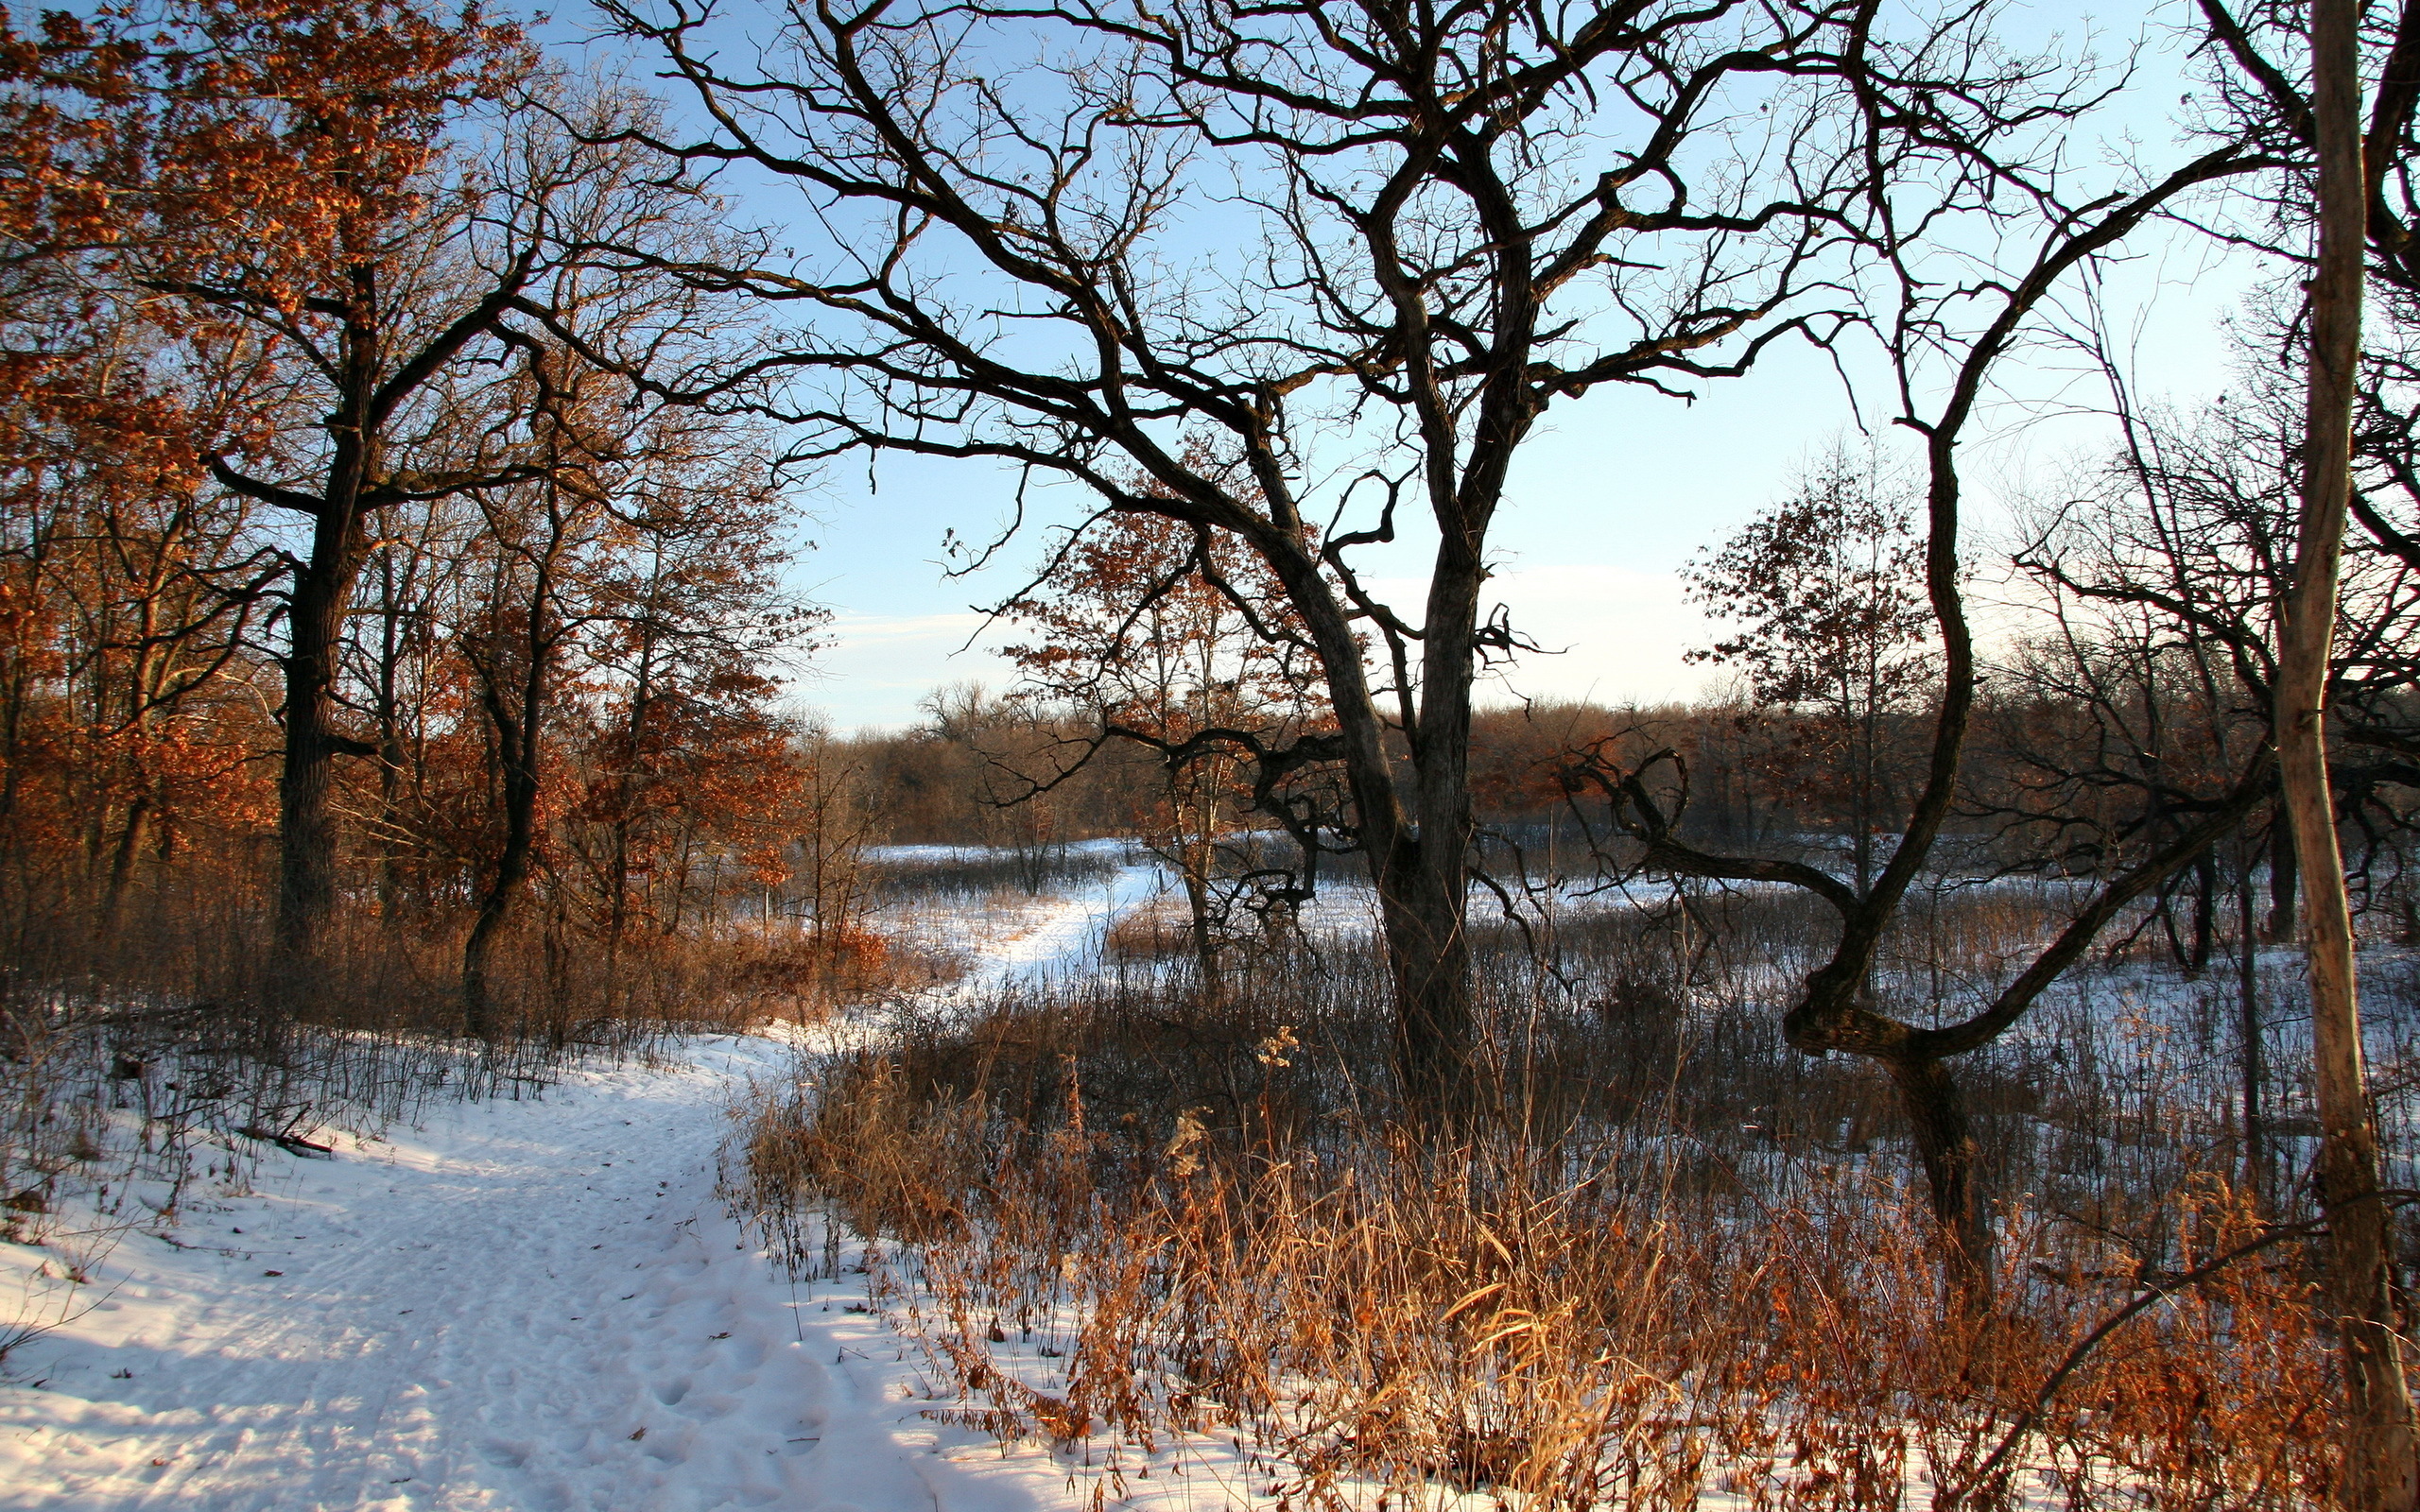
column 1686, row 1270
column 1371, row 1320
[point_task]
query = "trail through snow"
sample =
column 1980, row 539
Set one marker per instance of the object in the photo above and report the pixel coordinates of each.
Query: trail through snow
column 1066, row 934
column 536, row 1304
column 522, row 1305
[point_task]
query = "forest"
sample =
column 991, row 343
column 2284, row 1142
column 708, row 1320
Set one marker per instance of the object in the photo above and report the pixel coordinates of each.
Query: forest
column 1240, row 1044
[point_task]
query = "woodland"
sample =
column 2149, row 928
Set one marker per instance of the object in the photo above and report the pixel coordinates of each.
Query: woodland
column 1968, row 1057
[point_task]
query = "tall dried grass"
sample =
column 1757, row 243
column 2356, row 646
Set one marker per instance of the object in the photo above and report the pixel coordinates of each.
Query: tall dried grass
column 1685, row 1269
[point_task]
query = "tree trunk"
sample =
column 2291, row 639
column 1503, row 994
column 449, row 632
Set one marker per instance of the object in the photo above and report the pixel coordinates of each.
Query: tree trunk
column 130, row 842
column 625, row 795
column 2379, row 1472
column 2255, row 1148
column 314, row 617
column 2283, row 885
column 1205, row 945
column 517, row 744
column 1421, row 870
column 307, row 822
column 1952, row 1158
column 2205, row 913
column 1428, row 918
column 1429, row 962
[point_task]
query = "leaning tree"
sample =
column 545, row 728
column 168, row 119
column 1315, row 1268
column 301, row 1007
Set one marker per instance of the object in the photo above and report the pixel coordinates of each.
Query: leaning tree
column 1960, row 290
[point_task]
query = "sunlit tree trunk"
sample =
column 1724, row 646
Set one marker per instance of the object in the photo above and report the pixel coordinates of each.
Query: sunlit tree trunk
column 2379, row 1441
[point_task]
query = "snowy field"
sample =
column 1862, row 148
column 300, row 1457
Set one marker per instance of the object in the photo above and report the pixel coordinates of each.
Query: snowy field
column 545, row 1304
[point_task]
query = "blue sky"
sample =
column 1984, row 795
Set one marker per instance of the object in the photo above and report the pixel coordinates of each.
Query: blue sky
column 1612, row 497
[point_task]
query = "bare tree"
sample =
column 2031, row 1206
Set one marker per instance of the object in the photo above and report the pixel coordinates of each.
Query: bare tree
column 2344, row 209
column 1454, row 220
column 1946, row 336
column 2381, row 1449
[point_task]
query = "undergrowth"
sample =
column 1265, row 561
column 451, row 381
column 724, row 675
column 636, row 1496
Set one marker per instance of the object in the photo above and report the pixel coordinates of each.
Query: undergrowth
column 1158, row 1227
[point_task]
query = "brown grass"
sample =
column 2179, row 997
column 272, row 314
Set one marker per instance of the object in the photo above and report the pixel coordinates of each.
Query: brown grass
column 1685, row 1265
column 1371, row 1316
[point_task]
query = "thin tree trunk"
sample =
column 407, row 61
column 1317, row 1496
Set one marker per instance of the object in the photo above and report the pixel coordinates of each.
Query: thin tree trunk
column 1205, row 948
column 2379, row 1473
column 2283, row 885
column 2256, row 1148
column 2205, row 913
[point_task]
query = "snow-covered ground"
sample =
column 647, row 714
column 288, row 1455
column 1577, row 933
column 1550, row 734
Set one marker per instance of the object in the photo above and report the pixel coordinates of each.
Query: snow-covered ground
column 1063, row 934
column 535, row 1304
column 543, row 1304
column 1010, row 936
column 943, row 854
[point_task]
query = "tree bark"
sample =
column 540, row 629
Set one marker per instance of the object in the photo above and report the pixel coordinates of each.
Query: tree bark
column 1421, row 867
column 518, row 747
column 1952, row 1160
column 307, row 822
column 2283, row 884
column 2380, row 1471
column 2256, row 1144
column 1424, row 891
column 322, row 590
column 1429, row 960
column 1206, row 946
column 130, row 842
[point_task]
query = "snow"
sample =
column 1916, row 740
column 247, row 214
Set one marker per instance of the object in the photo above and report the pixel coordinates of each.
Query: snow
column 945, row 854
column 520, row 1304
column 1064, row 934
column 532, row 1304
column 544, row 1303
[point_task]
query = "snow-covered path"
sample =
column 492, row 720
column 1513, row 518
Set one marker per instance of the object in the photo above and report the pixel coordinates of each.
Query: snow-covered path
column 1066, row 934
column 526, row 1305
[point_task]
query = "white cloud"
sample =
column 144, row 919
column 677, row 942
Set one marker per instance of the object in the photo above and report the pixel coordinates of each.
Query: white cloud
column 1611, row 634
column 876, row 667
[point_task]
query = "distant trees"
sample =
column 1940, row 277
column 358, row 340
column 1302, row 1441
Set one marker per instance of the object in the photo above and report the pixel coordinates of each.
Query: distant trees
column 688, row 764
